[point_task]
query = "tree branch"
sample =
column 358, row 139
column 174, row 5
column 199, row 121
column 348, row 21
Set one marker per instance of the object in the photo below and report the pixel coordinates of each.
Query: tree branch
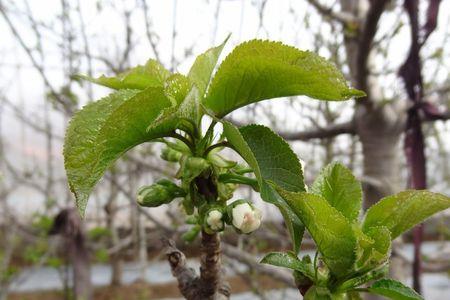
column 250, row 261
column 188, row 281
column 341, row 17
column 313, row 133
column 366, row 37
column 211, row 273
column 320, row 133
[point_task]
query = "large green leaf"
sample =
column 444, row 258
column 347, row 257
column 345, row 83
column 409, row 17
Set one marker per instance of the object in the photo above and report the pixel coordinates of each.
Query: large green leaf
column 286, row 260
column 394, row 290
column 341, row 189
column 152, row 74
column 272, row 160
column 203, row 67
column 102, row 131
column 402, row 211
column 331, row 231
column 259, row 70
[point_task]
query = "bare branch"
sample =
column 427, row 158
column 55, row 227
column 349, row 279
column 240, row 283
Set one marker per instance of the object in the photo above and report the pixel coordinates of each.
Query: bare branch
column 341, row 17
column 320, row 133
column 66, row 105
column 251, row 262
column 366, row 37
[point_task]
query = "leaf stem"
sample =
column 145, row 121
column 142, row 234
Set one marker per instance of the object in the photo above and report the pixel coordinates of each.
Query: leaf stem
column 315, row 265
column 184, row 140
column 221, row 144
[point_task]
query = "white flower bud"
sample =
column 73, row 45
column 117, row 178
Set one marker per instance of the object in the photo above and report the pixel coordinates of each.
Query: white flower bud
column 246, row 218
column 214, row 220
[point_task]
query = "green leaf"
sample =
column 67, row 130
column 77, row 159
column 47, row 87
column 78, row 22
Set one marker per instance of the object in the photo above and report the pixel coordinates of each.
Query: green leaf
column 295, row 227
column 331, row 231
column 152, row 74
column 102, row 131
column 259, row 70
column 203, row 67
column 276, row 160
column 272, row 160
column 402, row 211
column 176, row 88
column 394, row 290
column 355, row 282
column 341, row 189
column 286, row 260
column 377, row 251
column 185, row 116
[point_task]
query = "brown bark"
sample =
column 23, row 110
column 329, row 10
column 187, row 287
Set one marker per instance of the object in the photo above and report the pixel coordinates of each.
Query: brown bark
column 210, row 284
column 69, row 225
column 211, row 273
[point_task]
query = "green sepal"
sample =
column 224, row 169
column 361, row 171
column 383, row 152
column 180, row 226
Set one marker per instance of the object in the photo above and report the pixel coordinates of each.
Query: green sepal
column 173, row 189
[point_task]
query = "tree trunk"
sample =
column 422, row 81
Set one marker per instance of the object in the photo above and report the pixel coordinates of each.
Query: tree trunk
column 115, row 258
column 379, row 131
column 69, row 225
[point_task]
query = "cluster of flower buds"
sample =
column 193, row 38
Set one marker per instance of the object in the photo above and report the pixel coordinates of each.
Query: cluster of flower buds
column 206, row 185
column 161, row 192
column 243, row 215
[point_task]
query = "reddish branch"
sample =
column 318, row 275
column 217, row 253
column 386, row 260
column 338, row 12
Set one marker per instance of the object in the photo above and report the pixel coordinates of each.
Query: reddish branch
column 414, row 145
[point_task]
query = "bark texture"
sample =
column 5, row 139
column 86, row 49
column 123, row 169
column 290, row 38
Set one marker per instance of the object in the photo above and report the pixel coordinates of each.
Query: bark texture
column 210, row 284
column 69, row 225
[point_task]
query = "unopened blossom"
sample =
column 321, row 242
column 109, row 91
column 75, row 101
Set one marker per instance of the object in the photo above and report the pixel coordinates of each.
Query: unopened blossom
column 214, row 220
column 246, row 218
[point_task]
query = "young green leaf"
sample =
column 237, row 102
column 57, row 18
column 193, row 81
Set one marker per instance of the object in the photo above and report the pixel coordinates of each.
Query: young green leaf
column 185, row 116
column 402, row 211
column 356, row 282
column 152, row 74
column 394, row 290
column 176, row 88
column 286, row 260
column 259, row 70
column 203, row 67
column 341, row 189
column 331, row 231
column 272, row 160
column 102, row 131
column 373, row 247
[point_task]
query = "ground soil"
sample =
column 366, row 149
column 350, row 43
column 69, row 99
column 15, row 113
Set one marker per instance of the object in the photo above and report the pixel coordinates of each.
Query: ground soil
column 145, row 291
